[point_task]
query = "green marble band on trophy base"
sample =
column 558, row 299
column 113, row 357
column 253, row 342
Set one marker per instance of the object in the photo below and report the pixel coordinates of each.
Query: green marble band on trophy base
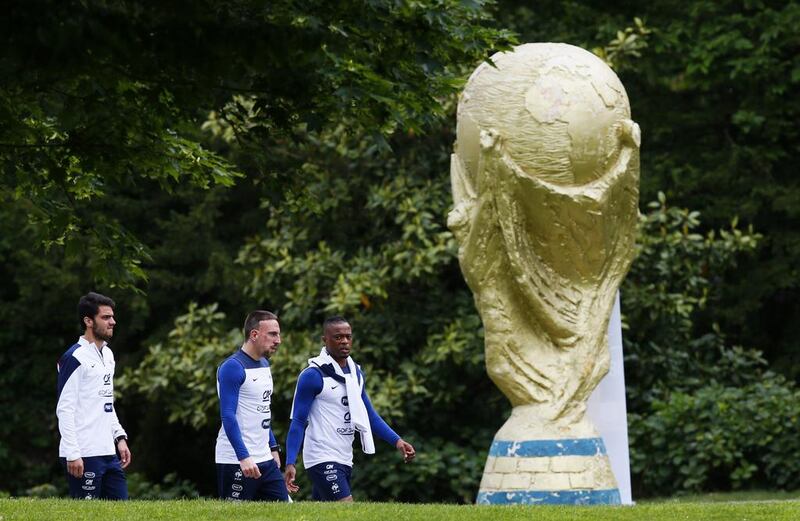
column 572, row 471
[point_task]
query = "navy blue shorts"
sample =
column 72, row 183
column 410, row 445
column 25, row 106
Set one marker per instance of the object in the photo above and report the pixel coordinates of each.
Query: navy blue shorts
column 103, row 478
column 232, row 484
column 330, row 481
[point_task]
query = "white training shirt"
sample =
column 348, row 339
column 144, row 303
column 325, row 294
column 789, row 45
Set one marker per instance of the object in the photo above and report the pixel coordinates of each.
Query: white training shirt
column 87, row 419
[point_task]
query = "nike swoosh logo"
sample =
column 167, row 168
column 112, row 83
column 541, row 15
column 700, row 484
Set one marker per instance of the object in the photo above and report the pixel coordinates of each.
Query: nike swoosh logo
column 256, row 378
column 334, row 387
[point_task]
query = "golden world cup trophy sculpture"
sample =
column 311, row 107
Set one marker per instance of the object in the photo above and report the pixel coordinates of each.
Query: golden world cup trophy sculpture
column 545, row 180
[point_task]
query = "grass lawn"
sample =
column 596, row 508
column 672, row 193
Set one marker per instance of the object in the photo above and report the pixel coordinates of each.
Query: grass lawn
column 204, row 509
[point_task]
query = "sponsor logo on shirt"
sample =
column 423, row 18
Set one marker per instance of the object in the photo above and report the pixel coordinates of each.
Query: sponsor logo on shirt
column 346, row 431
column 329, row 466
column 107, row 379
column 262, row 408
column 345, row 402
column 107, row 393
column 265, row 424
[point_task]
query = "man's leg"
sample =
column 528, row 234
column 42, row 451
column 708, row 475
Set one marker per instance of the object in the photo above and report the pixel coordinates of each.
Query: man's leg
column 271, row 486
column 331, row 481
column 232, row 483
column 114, row 485
column 88, row 485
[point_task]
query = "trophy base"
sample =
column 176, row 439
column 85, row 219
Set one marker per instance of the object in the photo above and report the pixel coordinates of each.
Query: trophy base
column 533, row 460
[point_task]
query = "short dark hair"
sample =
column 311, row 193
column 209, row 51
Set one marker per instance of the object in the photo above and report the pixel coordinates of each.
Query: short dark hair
column 256, row 317
column 333, row 320
column 89, row 305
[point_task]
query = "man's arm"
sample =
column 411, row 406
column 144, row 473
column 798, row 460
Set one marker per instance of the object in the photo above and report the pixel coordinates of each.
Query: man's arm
column 309, row 385
column 230, row 377
column 382, row 429
column 68, row 386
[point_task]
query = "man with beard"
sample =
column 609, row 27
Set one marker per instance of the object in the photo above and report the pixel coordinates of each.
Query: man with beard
column 94, row 447
column 247, row 454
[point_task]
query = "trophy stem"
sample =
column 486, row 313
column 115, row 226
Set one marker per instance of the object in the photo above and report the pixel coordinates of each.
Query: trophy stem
column 535, row 460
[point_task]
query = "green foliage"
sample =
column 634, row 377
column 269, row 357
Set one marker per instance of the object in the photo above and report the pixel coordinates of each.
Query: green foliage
column 44, row 490
column 720, row 436
column 716, row 97
column 99, row 96
column 668, row 296
column 626, row 47
column 171, row 487
column 183, row 367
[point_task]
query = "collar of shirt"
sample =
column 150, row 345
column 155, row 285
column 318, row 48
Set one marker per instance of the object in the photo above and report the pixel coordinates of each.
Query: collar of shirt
column 82, row 341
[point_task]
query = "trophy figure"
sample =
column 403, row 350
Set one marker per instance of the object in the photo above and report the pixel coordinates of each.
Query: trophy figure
column 545, row 184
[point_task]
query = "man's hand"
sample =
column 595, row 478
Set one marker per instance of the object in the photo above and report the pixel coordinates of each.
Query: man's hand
column 288, row 477
column 75, row 468
column 406, row 449
column 124, row 453
column 249, row 468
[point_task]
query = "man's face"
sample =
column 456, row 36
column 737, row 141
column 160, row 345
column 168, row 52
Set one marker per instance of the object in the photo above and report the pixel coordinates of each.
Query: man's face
column 267, row 337
column 102, row 325
column 338, row 339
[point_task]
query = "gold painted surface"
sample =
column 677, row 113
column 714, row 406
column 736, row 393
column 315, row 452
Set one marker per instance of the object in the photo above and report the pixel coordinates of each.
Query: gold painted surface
column 545, row 180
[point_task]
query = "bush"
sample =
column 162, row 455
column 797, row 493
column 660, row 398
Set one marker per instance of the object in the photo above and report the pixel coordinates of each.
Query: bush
column 170, row 488
column 44, row 490
column 720, row 438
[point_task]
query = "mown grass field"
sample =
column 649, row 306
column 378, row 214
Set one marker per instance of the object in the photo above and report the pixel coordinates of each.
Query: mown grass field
column 199, row 510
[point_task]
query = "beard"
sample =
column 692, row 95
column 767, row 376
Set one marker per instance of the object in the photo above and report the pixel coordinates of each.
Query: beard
column 102, row 334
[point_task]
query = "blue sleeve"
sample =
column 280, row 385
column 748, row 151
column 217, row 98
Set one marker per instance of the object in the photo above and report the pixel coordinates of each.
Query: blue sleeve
column 309, row 385
column 230, row 377
column 376, row 423
column 273, row 443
